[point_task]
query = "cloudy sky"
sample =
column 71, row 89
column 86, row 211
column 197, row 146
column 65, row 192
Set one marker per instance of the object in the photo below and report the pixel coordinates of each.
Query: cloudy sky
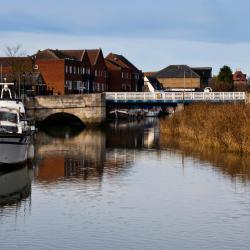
column 150, row 33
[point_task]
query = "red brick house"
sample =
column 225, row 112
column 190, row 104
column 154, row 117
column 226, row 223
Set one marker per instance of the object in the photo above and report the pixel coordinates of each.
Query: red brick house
column 98, row 70
column 127, row 78
column 119, row 77
column 64, row 71
column 239, row 78
column 20, row 71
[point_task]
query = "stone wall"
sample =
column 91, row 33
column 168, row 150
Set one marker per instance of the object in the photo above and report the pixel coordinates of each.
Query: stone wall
column 89, row 108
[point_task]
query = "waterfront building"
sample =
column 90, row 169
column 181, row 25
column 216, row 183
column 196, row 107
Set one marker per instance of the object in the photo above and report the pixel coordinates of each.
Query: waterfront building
column 64, row 71
column 99, row 70
column 123, row 75
column 20, row 71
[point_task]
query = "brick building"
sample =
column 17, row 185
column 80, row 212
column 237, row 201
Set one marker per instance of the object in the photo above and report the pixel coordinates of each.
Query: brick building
column 239, row 78
column 123, row 75
column 98, row 70
column 64, row 71
column 20, row 71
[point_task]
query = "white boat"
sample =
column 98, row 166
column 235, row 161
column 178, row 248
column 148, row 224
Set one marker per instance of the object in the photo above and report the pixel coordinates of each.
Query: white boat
column 14, row 130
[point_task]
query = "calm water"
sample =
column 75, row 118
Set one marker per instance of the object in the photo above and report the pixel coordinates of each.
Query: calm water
column 124, row 188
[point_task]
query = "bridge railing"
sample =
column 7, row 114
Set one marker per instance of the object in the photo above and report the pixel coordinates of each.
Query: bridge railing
column 176, row 96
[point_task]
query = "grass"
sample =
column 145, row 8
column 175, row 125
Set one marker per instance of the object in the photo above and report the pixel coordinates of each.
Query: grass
column 221, row 126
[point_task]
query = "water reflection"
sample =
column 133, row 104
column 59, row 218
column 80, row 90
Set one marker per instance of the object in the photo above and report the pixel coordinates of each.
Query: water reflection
column 15, row 184
column 124, row 187
column 89, row 153
column 233, row 165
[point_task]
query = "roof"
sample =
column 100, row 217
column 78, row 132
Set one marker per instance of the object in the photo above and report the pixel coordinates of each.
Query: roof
column 121, row 61
column 93, row 55
column 154, row 82
column 8, row 61
column 201, row 68
column 149, row 73
column 49, row 54
column 76, row 54
column 176, row 71
column 112, row 66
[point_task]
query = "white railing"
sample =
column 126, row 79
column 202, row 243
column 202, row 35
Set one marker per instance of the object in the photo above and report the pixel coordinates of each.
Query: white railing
column 176, row 96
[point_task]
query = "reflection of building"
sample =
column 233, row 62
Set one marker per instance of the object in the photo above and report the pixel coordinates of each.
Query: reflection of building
column 89, row 155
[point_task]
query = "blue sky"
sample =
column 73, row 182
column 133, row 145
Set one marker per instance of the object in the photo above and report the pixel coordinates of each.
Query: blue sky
column 152, row 34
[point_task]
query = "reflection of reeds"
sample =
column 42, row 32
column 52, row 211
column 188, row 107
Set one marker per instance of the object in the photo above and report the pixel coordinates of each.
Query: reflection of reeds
column 224, row 126
column 232, row 164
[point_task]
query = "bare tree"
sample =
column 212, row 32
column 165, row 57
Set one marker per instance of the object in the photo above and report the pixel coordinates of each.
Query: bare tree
column 19, row 63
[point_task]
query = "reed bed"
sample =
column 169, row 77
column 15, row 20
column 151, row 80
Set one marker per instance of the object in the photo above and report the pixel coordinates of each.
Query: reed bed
column 221, row 126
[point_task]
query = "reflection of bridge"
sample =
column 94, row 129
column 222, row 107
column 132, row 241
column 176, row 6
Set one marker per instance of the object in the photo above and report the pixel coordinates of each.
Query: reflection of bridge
column 166, row 98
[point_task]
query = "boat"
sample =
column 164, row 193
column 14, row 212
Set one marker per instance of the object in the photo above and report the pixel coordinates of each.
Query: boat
column 15, row 132
column 120, row 114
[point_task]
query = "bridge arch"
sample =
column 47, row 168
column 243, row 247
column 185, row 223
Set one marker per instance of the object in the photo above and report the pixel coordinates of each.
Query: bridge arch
column 89, row 108
column 63, row 117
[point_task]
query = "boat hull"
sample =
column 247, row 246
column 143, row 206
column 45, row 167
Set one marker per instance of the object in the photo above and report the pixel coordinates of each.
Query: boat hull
column 13, row 148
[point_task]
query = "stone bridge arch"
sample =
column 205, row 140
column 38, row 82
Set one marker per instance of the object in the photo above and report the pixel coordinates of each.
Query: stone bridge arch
column 89, row 108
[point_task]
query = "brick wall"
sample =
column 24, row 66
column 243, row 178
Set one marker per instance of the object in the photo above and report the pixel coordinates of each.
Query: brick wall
column 53, row 72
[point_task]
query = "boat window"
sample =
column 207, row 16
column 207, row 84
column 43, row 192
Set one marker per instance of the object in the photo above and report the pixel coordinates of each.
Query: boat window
column 6, row 116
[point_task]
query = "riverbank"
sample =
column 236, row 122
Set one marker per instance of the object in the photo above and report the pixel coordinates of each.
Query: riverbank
column 221, row 126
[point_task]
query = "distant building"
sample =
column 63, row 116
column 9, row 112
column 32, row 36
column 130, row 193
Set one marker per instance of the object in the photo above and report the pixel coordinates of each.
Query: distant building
column 205, row 74
column 127, row 78
column 178, row 77
column 239, row 78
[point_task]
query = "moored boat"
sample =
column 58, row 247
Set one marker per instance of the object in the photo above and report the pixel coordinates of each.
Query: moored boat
column 14, row 130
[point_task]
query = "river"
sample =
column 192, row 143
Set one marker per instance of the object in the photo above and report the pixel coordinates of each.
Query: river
column 124, row 187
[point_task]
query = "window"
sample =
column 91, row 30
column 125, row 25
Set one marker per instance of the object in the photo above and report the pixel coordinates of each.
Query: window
column 66, row 69
column 96, row 72
column 98, row 87
column 70, row 69
column 122, row 75
column 83, row 70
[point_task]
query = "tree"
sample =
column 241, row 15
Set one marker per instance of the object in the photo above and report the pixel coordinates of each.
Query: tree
column 225, row 75
column 225, row 78
column 19, row 63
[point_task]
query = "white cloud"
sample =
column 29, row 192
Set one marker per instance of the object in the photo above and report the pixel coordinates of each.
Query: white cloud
column 147, row 54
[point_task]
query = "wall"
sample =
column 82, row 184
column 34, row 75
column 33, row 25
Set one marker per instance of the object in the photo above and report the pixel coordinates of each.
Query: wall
column 53, row 72
column 89, row 108
column 179, row 82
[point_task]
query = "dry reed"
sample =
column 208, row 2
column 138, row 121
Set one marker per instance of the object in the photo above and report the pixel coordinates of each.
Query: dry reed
column 223, row 126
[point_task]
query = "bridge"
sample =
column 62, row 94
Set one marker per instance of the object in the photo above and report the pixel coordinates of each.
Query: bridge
column 167, row 98
column 88, row 108
column 91, row 108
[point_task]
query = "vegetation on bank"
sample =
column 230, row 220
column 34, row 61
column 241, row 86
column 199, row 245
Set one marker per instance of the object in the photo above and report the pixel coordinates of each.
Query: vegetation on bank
column 221, row 126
